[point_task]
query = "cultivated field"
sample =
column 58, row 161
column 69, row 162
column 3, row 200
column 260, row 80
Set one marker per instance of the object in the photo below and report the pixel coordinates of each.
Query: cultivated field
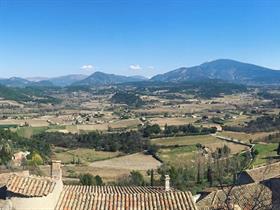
column 246, row 137
column 137, row 161
column 84, row 155
column 172, row 121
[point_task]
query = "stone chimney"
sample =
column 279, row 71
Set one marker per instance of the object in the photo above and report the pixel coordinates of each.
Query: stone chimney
column 56, row 172
column 167, row 183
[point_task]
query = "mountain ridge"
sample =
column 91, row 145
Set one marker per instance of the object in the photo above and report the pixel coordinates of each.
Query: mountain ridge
column 101, row 78
column 222, row 69
column 225, row 69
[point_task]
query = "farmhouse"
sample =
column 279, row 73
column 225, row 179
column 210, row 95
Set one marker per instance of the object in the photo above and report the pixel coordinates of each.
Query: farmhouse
column 22, row 192
column 19, row 158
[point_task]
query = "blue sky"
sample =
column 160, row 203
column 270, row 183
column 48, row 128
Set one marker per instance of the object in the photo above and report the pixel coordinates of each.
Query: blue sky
column 134, row 37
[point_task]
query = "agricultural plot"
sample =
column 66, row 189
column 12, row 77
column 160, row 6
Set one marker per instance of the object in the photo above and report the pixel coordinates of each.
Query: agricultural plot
column 180, row 156
column 266, row 153
column 181, row 151
column 118, row 167
column 240, row 120
column 137, row 161
column 172, row 121
column 246, row 137
column 83, row 155
column 27, row 132
column 128, row 123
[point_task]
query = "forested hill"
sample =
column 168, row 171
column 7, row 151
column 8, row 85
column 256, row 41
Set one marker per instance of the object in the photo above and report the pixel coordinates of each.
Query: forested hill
column 224, row 69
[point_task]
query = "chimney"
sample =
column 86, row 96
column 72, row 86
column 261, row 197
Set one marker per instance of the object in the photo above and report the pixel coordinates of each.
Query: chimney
column 167, row 183
column 56, row 172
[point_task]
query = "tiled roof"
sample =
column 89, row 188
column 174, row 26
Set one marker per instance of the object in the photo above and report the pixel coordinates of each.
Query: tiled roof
column 114, row 189
column 250, row 196
column 30, row 186
column 264, row 172
column 4, row 177
column 112, row 199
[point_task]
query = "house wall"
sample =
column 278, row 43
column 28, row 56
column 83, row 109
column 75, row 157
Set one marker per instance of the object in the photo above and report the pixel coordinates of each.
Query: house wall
column 37, row 203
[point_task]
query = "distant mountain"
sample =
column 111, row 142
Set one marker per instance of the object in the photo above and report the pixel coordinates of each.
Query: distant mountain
column 139, row 77
column 15, row 82
column 224, row 69
column 100, row 78
column 67, row 80
column 36, row 79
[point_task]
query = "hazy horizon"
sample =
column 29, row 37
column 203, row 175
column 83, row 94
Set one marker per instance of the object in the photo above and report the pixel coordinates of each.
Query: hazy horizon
column 50, row 39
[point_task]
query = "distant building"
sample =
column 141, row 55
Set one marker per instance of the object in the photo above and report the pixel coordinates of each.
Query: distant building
column 19, row 158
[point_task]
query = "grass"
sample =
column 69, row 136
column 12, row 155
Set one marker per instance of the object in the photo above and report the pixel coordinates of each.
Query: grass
column 185, row 154
column 27, row 132
column 266, row 152
column 8, row 126
column 85, row 155
column 180, row 156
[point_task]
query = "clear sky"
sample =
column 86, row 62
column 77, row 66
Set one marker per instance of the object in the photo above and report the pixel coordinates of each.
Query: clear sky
column 134, row 37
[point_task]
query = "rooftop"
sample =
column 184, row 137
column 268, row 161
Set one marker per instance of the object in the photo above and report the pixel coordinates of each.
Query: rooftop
column 246, row 196
column 264, row 172
column 113, row 197
column 30, row 186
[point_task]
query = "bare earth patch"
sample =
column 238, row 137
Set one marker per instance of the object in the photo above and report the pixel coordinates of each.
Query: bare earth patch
column 137, row 161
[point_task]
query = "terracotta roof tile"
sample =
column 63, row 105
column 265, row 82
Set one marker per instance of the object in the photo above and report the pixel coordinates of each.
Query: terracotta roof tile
column 30, row 186
column 120, row 198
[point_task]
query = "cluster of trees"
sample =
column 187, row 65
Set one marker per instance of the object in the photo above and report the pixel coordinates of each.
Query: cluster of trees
column 89, row 179
column 220, row 171
column 170, row 130
column 127, row 142
column 221, row 152
column 204, row 89
column 10, row 142
column 135, row 178
column 261, row 124
column 187, row 129
column 131, row 99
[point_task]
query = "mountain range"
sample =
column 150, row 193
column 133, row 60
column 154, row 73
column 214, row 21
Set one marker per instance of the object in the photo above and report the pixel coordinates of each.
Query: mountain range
column 222, row 69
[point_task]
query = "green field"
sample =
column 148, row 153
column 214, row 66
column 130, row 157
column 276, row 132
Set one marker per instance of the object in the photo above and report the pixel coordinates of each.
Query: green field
column 83, row 154
column 27, row 132
column 180, row 156
column 266, row 153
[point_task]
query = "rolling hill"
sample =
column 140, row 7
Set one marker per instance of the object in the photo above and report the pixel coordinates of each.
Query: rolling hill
column 100, row 78
column 224, row 69
column 66, row 80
